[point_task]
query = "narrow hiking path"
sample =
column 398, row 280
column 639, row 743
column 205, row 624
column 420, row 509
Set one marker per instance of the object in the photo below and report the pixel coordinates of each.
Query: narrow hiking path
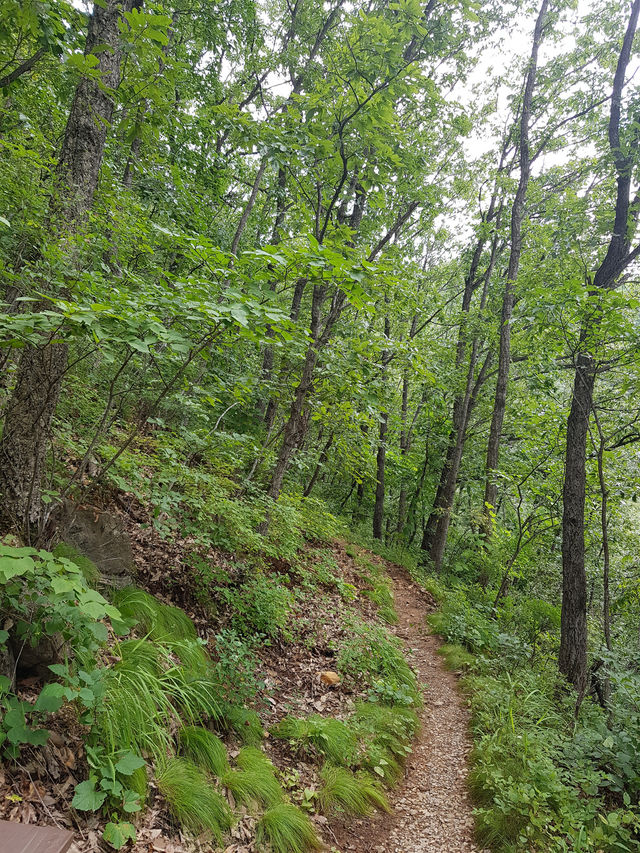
column 431, row 808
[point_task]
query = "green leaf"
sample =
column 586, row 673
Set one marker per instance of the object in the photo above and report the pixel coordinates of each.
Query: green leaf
column 86, row 798
column 131, row 802
column 50, row 699
column 117, row 834
column 129, row 763
column 37, row 737
column 11, row 567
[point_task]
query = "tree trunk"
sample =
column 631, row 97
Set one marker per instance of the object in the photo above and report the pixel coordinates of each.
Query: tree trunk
column 434, row 538
column 572, row 658
column 319, row 466
column 27, row 426
column 381, row 455
column 517, row 217
column 381, row 458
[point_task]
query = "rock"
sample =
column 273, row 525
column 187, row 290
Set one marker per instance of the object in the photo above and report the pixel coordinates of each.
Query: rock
column 35, row 660
column 101, row 537
column 330, row 678
column 7, row 664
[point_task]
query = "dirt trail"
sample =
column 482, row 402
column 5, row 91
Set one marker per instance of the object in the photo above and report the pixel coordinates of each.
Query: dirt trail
column 431, row 809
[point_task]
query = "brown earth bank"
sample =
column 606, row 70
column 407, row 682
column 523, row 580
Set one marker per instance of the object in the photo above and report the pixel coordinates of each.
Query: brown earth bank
column 431, row 809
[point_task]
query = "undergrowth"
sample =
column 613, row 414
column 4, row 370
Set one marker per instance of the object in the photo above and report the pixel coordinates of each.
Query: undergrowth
column 542, row 778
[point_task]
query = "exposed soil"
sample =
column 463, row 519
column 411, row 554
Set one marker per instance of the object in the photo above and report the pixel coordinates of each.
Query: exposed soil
column 431, row 809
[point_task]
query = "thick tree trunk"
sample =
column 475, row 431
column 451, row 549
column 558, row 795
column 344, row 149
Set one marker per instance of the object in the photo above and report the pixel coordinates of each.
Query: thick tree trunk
column 508, row 301
column 27, row 426
column 572, row 658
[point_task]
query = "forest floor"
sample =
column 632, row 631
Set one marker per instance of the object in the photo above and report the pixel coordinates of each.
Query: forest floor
column 432, row 812
column 431, row 809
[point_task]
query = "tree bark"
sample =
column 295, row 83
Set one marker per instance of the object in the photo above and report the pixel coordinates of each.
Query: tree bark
column 572, row 657
column 27, row 426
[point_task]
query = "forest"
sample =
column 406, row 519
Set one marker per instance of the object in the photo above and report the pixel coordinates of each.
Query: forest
column 319, row 424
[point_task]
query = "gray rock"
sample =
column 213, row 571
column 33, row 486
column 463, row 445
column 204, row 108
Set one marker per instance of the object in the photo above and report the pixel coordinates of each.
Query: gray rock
column 99, row 535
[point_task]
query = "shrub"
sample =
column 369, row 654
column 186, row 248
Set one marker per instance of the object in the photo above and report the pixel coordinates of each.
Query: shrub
column 373, row 656
column 386, row 734
column 287, row 830
column 260, row 605
column 49, row 604
column 192, row 799
column 236, row 666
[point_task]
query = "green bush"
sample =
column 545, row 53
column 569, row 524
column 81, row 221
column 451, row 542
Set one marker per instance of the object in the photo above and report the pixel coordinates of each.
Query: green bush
column 372, row 656
column 236, row 666
column 261, row 605
column 47, row 600
column 385, row 733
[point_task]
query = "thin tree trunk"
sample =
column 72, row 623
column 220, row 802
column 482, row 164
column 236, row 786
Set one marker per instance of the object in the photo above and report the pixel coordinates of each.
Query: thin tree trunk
column 319, row 466
column 405, row 443
column 242, row 224
column 381, row 455
column 517, row 217
column 434, row 538
column 381, row 459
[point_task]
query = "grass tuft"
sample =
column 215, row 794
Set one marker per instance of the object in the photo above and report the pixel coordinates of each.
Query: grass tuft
column 344, row 791
column 255, row 784
column 287, row 830
column 158, row 621
column 334, row 739
column 386, row 732
column 204, row 748
column 382, row 596
column 456, row 657
column 244, row 722
column 192, row 799
column 90, row 572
